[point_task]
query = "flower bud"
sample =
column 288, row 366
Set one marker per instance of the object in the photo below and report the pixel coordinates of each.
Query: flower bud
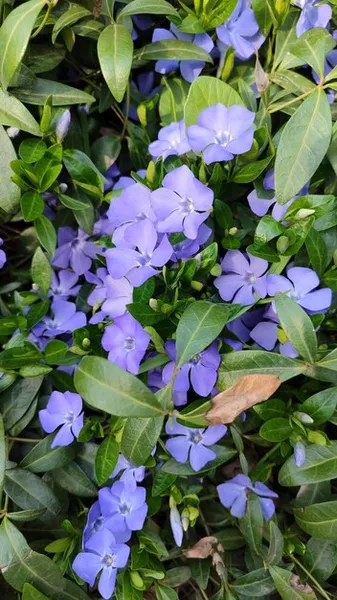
column 62, row 125
column 12, row 132
column 185, row 519
column 232, row 231
column 303, row 418
column 282, row 244
column 216, row 270
column 136, row 580
column 86, row 343
column 303, row 213
column 196, row 285
column 153, row 304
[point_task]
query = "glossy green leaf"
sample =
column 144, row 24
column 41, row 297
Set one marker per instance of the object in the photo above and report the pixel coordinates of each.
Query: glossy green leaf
column 55, row 351
column 265, row 13
column 164, row 592
column 46, row 234
column 105, row 151
column 320, row 558
column 29, row 491
column 161, row 482
column 27, row 515
column 319, row 520
column 83, row 172
column 62, row 95
column 199, row 325
column 321, row 406
column 29, row 592
column 106, row 386
column 303, row 144
column 317, row 251
column 115, row 49
column 251, row 524
column 2, row 456
column 237, row 364
column 15, row 401
column 312, row 47
column 276, row 430
column 253, row 585
column 9, row 191
column 320, row 465
column 14, row 37
column 150, row 7
column 41, row 271
column 106, row 459
column 43, row 458
column 290, row 586
column 297, row 326
column 72, row 203
column 31, row 150
column 69, row 17
column 276, row 545
column 32, row 206
column 74, row 480
column 206, row 91
column 172, row 100
column 139, row 438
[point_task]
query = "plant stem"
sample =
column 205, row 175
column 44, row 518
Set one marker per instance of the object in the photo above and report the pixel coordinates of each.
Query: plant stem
column 25, row 440
column 293, row 101
column 314, row 581
column 44, row 21
column 127, row 108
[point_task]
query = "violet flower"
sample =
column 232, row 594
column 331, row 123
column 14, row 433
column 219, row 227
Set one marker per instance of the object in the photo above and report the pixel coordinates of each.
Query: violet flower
column 110, row 176
column 65, row 320
column 176, row 526
column 260, row 206
column 222, row 132
column 182, row 204
column 299, row 454
column 201, row 369
column 62, row 125
column 192, row 444
column 128, row 210
column 75, row 250
column 240, row 31
column 172, row 140
column 123, row 464
column 63, row 284
column 3, row 257
column 300, row 284
column 102, row 555
column 265, row 334
column 187, row 248
column 126, row 341
column 124, row 505
column 110, row 295
column 63, row 410
column 312, row 15
column 189, row 69
column 141, row 264
column 243, row 277
column 96, row 522
column 233, row 495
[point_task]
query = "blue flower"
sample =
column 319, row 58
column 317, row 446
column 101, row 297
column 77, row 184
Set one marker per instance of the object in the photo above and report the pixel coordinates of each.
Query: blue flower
column 240, row 31
column 233, row 495
column 192, row 444
column 124, row 505
column 65, row 410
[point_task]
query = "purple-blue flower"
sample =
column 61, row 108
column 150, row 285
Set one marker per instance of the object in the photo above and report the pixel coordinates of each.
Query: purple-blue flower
column 110, row 296
column 265, row 334
column 65, row 319
column 233, row 495
column 192, row 444
column 201, row 370
column 138, row 265
column 126, row 341
column 75, row 250
column 301, row 284
column 189, row 69
column 243, row 277
column 299, row 454
column 124, row 505
column 222, row 132
column 63, row 284
column 102, row 555
column 62, row 125
column 128, row 210
column 182, row 204
column 260, row 206
column 176, row 526
column 313, row 14
column 123, row 464
column 240, row 31
column 187, row 248
column 63, row 410
column 171, row 140
column 96, row 521
column 3, row 256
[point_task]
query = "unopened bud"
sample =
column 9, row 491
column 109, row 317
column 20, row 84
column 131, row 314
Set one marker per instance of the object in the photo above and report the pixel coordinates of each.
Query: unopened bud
column 62, row 125
column 12, row 132
column 232, row 231
column 303, row 418
column 185, row 520
column 63, row 187
column 303, row 213
column 196, row 285
column 216, row 270
column 136, row 580
column 282, row 244
column 86, row 343
column 151, row 171
column 35, row 287
column 153, row 304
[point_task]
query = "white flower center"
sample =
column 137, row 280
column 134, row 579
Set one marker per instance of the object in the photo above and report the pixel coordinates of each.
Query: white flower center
column 129, row 343
column 223, row 137
column 186, row 204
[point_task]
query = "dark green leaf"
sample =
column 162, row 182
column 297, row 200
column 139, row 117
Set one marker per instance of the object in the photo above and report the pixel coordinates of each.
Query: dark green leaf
column 276, row 430
column 2, row 456
column 32, row 150
column 9, row 191
column 15, row 401
column 32, row 205
column 69, row 17
column 106, row 459
column 55, row 351
column 29, row 491
column 321, row 406
column 139, row 438
column 115, row 49
column 72, row 203
column 151, row 7
column 46, row 233
column 276, row 545
column 74, row 480
column 320, row 465
column 297, row 326
column 83, row 172
column 43, row 458
column 253, row 585
column 317, row 251
column 320, row 558
column 251, row 524
column 290, row 586
column 173, row 50
column 237, row 364
column 164, row 592
column 62, row 94
column 41, row 271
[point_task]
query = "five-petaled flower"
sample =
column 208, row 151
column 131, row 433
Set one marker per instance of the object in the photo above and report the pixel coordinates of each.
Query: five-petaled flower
column 233, row 495
column 126, row 341
column 240, row 31
column 192, row 444
column 63, row 410
column 124, row 505
column 171, row 140
column 242, row 278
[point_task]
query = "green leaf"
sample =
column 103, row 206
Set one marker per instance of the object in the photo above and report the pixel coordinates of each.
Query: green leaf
column 289, row 585
column 9, row 191
column 83, row 172
column 34, row 370
column 206, row 91
column 46, row 234
column 164, row 592
column 150, row 7
column 312, row 47
column 32, row 150
column 253, row 585
column 325, row 369
column 29, row 592
column 41, row 271
column 319, row 520
column 2, row 456
column 161, row 482
column 276, row 545
column 251, row 525
column 21, row 565
column 106, row 459
column 139, row 438
column 303, row 144
column 14, row 37
column 32, row 206
column 105, row 151
column 216, row 12
column 74, row 480
column 62, row 95
column 173, row 50
column 15, row 401
column 286, row 34
column 321, row 406
column 107, row 387
column 199, row 325
column 29, row 491
column 115, row 49
column 72, row 203
column 26, row 515
column 55, row 351
column 320, row 465
column 43, row 458
column 200, row 572
column 297, row 326
column 223, row 455
column 69, row 17
column 237, row 364
column 271, row 409
column 320, row 558
column 251, row 171
column 265, row 13
column 172, row 100
column 317, row 251
column 276, row 430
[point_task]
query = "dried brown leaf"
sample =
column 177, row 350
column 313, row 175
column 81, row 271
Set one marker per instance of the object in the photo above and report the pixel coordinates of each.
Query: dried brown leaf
column 304, row 588
column 261, row 77
column 248, row 391
column 203, row 548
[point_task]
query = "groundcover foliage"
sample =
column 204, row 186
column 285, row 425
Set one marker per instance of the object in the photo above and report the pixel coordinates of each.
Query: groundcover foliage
column 168, row 382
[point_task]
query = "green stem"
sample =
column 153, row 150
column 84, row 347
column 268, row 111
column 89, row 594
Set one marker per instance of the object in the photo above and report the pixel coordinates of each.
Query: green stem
column 25, row 440
column 293, row 101
column 314, row 581
column 127, row 108
column 44, row 21
column 85, row 132
column 270, row 453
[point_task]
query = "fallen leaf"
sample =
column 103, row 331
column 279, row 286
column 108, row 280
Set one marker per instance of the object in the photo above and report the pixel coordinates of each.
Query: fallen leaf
column 304, row 588
column 248, row 391
column 261, row 77
column 203, row 548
